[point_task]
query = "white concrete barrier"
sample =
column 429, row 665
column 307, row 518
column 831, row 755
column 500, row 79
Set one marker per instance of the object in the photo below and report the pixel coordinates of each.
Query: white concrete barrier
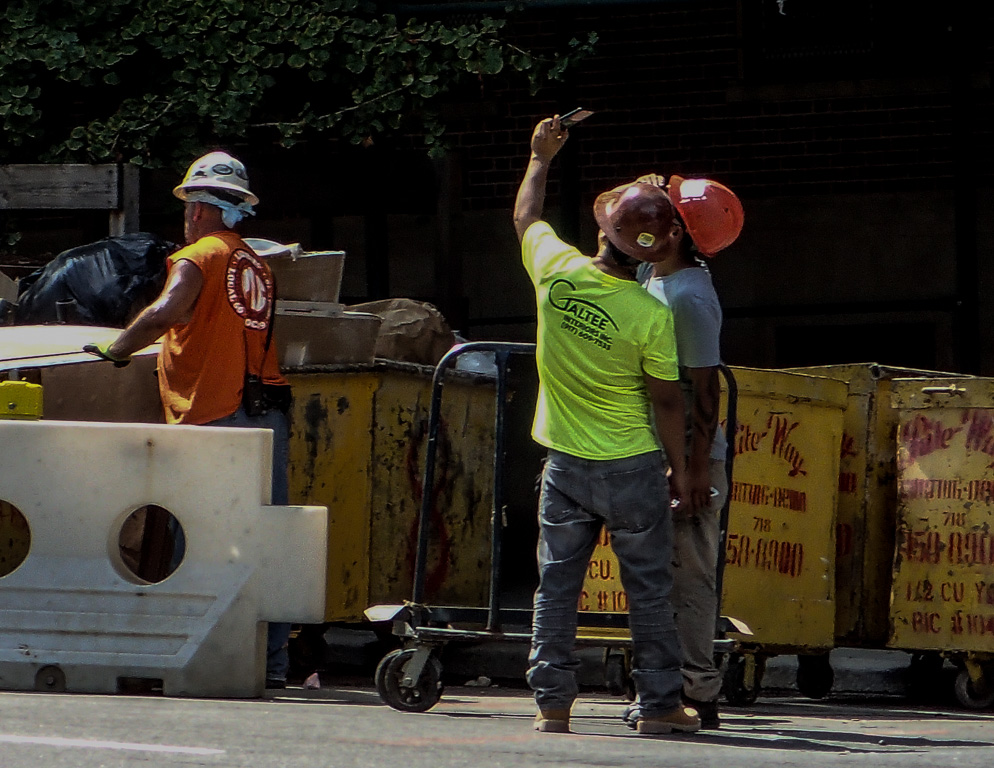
column 74, row 617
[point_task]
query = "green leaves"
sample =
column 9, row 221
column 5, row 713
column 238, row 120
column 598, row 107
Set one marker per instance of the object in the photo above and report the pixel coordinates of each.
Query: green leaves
column 154, row 81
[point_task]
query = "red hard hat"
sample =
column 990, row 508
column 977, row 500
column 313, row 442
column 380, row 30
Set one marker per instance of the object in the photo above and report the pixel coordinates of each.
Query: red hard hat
column 711, row 211
column 636, row 218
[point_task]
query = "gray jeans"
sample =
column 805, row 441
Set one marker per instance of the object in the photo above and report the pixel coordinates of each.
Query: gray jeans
column 695, row 559
column 630, row 498
column 277, row 654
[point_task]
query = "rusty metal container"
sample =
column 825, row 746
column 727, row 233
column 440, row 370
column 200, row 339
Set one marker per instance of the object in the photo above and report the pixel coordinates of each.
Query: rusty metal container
column 357, row 443
column 942, row 596
column 867, row 500
column 943, row 582
column 780, row 552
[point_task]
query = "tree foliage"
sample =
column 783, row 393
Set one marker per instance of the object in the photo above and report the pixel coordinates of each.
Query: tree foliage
column 155, row 81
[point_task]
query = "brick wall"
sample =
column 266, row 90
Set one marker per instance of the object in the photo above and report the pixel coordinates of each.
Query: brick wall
column 696, row 88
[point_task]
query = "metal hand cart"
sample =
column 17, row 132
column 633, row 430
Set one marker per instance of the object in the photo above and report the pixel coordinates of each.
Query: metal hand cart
column 410, row 679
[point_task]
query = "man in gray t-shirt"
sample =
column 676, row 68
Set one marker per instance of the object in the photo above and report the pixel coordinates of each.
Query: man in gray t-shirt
column 712, row 218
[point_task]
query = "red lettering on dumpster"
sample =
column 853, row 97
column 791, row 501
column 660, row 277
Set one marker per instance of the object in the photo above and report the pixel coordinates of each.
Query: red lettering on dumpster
column 609, row 601
column 747, row 440
column 783, row 557
column 980, row 431
column 952, row 591
column 979, row 624
column 765, row 496
column 600, row 570
column 922, row 436
column 956, row 623
column 925, row 488
column 974, row 548
column 953, row 518
column 925, row 622
column 913, row 488
column 922, row 592
column 980, row 490
column 782, row 446
column 985, row 592
column 921, row 546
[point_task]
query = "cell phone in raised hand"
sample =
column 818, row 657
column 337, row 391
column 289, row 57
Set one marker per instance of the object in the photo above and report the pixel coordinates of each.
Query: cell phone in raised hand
column 570, row 119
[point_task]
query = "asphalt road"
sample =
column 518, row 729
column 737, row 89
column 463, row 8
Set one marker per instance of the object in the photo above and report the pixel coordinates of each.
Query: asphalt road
column 345, row 725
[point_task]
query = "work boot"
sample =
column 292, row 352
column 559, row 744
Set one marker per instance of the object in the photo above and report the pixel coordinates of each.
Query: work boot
column 552, row 721
column 708, row 712
column 680, row 720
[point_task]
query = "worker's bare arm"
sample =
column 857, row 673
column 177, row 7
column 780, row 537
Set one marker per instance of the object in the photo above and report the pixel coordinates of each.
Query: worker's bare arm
column 173, row 307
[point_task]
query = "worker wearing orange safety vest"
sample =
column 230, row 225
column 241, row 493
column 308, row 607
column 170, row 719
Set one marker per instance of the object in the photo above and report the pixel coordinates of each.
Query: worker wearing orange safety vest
column 217, row 364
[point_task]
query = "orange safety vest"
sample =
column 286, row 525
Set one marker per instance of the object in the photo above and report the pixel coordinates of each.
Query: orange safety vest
column 202, row 363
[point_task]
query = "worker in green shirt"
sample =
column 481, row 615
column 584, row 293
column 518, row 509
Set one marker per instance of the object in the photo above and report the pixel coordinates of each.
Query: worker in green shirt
column 607, row 365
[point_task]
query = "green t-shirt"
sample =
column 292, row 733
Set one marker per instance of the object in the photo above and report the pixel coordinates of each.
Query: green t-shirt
column 597, row 334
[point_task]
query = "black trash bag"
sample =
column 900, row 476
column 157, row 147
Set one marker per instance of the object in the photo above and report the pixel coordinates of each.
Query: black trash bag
column 104, row 283
column 7, row 312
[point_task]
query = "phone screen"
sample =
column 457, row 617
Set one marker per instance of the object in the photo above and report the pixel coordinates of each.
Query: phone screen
column 572, row 118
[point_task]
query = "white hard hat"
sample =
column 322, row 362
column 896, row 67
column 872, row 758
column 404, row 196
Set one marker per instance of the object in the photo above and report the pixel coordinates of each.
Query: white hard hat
column 217, row 170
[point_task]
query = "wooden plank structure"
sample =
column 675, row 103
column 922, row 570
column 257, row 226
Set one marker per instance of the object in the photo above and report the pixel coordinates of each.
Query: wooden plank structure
column 111, row 187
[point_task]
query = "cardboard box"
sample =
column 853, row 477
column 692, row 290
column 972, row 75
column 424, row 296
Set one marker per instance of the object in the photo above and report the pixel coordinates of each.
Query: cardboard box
column 315, row 276
column 324, row 336
column 8, row 288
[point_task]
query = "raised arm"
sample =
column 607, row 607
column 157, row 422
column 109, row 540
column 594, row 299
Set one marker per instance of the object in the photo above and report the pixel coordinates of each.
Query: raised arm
column 547, row 139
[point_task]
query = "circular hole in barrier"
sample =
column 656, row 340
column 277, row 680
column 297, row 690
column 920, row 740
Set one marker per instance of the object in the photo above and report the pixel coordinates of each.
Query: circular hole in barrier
column 15, row 538
column 151, row 543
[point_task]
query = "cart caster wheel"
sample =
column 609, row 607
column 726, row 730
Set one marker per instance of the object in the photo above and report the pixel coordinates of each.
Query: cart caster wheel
column 815, row 676
column 743, row 679
column 971, row 695
column 420, row 697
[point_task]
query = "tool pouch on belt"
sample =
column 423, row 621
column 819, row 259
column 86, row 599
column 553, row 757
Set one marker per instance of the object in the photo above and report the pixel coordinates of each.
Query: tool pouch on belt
column 253, row 399
column 259, row 398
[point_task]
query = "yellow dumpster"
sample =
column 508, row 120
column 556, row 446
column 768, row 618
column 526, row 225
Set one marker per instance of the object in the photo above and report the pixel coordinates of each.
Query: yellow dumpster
column 942, row 597
column 780, row 552
column 357, row 441
column 867, row 500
